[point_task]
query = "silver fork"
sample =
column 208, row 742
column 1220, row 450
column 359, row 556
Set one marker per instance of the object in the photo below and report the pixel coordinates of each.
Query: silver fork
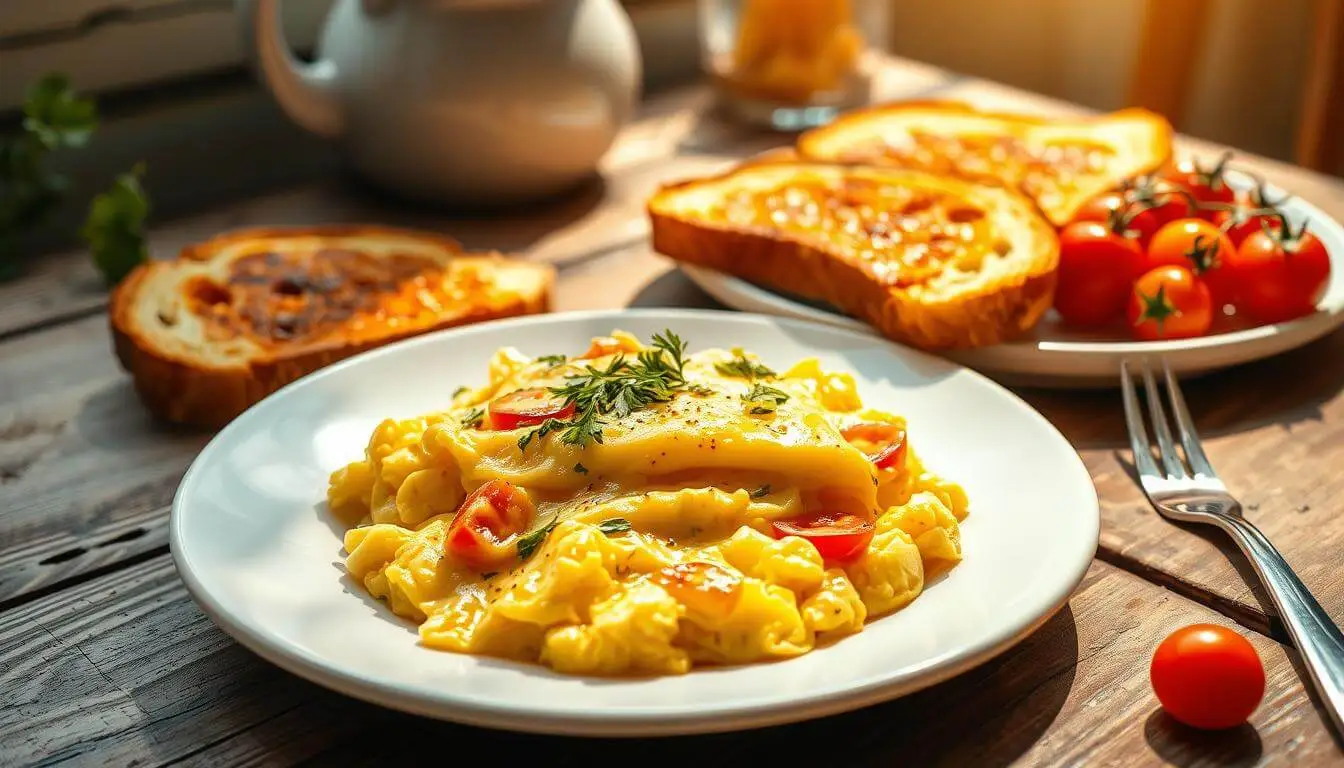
column 1196, row 495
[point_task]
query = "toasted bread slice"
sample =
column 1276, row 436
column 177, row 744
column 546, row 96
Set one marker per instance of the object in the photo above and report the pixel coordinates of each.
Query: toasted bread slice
column 237, row 317
column 1060, row 163
column 933, row 261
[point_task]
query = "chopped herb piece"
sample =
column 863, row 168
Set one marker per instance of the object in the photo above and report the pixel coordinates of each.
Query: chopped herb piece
column 553, row 360
column 528, row 543
column 459, row 391
column 699, row 389
column 490, row 575
column 761, row 492
column 582, row 470
column 473, row 418
column 673, row 345
column 614, row 525
column 743, row 368
column 764, row 399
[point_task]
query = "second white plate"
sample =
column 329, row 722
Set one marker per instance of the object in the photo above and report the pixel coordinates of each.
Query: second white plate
column 1057, row 356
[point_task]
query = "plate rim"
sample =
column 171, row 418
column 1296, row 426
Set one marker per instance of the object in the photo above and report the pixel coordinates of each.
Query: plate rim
column 642, row 721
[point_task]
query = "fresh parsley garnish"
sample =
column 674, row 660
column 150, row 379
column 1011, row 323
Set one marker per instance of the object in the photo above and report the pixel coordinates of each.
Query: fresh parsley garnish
column 761, row 492
column 528, row 543
column 621, row 388
column 460, row 390
column 553, row 360
column 54, row 117
column 115, row 227
column 473, row 418
column 614, row 525
column 582, row 470
column 743, row 368
column 764, row 399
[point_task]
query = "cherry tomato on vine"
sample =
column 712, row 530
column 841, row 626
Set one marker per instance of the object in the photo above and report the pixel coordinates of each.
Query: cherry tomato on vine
column 1096, row 269
column 1280, row 276
column 1252, row 213
column 1170, row 302
column 1150, row 204
column 1205, row 185
column 1207, row 676
column 1199, row 246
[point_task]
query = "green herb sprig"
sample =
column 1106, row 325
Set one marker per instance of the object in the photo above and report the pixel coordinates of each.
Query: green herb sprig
column 616, row 391
column 764, row 399
column 743, row 368
column 552, row 361
column 473, row 418
column 115, row 227
column 614, row 525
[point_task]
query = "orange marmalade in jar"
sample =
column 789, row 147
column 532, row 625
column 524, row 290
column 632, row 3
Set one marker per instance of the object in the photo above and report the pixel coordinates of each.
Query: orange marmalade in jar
column 791, row 64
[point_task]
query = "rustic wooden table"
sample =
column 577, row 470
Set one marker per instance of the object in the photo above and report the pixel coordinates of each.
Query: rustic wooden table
column 104, row 660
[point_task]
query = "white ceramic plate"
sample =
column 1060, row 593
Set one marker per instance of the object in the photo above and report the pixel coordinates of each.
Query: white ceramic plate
column 1057, row 356
column 254, row 542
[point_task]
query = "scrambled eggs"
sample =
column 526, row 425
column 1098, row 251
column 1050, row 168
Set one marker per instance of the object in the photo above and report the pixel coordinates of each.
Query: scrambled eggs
column 640, row 510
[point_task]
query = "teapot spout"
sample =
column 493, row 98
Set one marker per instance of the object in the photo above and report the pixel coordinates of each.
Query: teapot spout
column 306, row 92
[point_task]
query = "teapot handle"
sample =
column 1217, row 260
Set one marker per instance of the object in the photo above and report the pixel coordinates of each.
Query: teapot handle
column 306, row 92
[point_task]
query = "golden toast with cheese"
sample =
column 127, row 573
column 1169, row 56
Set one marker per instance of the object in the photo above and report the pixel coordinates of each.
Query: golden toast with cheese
column 237, row 317
column 1060, row 163
column 930, row 260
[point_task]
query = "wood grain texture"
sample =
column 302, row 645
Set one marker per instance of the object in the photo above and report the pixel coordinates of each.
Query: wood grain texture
column 85, row 685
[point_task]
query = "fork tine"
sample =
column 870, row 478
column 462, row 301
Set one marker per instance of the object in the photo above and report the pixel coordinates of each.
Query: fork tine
column 1194, row 452
column 1138, row 435
column 1165, row 447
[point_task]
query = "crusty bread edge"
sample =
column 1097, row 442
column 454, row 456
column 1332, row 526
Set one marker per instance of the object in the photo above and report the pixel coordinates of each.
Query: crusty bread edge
column 186, row 392
column 993, row 313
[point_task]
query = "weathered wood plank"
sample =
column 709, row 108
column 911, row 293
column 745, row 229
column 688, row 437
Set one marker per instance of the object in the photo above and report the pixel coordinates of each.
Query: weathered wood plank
column 84, row 684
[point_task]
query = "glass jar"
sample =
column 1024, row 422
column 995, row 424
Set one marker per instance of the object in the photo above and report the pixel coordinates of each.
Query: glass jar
column 792, row 64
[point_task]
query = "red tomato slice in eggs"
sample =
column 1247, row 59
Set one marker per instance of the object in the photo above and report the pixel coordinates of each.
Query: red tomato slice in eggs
column 486, row 519
column 526, row 408
column 884, row 443
column 836, row 537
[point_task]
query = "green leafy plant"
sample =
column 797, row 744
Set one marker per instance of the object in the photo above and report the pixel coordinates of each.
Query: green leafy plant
column 115, row 227
column 54, row 117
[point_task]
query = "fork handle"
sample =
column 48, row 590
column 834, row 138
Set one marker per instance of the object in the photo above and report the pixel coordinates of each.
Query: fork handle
column 1317, row 638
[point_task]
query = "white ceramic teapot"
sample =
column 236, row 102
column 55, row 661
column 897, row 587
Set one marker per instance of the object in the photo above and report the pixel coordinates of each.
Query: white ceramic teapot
column 460, row 101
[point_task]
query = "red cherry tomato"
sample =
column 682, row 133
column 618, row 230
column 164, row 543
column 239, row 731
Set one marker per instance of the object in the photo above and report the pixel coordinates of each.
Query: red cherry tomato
column 836, row 537
column 1200, row 246
column 1252, row 214
column 1205, row 185
column 1280, row 277
column 1148, row 206
column 1207, row 676
column 1170, row 303
column 485, row 521
column 883, row 443
column 1096, row 270
column 702, row 587
column 527, row 407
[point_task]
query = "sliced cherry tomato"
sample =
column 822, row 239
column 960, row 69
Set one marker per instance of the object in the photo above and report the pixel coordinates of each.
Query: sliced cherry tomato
column 1148, row 204
column 485, row 522
column 603, row 346
column 1170, row 303
column 1200, row 246
column 1207, row 676
column 1280, row 276
column 527, row 407
column 1096, row 270
column 702, row 587
column 1205, row 185
column 884, row 443
column 836, row 537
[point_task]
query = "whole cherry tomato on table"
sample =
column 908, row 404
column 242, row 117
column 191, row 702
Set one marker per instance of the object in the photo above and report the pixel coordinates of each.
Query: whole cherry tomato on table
column 1199, row 246
column 1280, row 276
column 1205, row 185
column 1149, row 203
column 1170, row 302
column 1097, row 266
column 1207, row 676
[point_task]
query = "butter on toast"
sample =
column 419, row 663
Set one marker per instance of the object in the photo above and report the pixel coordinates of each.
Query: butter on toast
column 235, row 318
column 1061, row 163
column 932, row 261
